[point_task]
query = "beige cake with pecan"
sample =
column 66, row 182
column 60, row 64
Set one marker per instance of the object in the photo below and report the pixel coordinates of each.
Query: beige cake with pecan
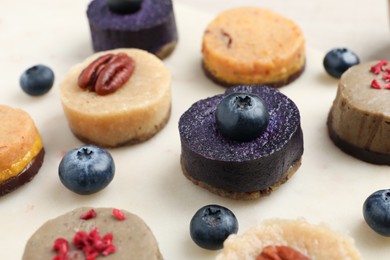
column 289, row 239
column 113, row 101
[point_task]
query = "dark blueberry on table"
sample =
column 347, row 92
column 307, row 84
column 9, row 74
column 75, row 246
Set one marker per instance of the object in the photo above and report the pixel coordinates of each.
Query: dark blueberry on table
column 338, row 60
column 242, row 117
column 86, row 169
column 376, row 211
column 211, row 225
column 124, row 6
column 37, row 80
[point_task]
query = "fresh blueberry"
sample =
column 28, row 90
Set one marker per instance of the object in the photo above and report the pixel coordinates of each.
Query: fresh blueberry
column 37, row 80
column 338, row 60
column 376, row 211
column 124, row 6
column 241, row 116
column 86, row 169
column 211, row 225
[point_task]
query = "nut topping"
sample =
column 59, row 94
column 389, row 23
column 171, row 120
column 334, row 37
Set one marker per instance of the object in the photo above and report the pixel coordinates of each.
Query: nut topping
column 281, row 253
column 107, row 73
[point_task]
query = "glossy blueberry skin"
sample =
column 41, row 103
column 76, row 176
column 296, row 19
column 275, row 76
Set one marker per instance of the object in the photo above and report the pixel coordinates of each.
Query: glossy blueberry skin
column 124, row 6
column 338, row 60
column 37, row 80
column 376, row 212
column 242, row 116
column 211, row 225
column 86, row 169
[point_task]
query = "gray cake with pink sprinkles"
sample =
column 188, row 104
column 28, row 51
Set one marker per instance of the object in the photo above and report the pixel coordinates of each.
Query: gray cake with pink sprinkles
column 144, row 24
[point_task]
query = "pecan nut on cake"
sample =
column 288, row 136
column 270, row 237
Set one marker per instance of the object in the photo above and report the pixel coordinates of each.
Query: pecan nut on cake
column 241, row 144
column 359, row 120
column 21, row 149
column 148, row 24
column 89, row 233
column 252, row 45
column 117, row 97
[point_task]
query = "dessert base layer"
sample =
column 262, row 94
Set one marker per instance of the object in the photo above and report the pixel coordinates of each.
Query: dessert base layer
column 358, row 152
column 244, row 195
column 25, row 176
column 276, row 84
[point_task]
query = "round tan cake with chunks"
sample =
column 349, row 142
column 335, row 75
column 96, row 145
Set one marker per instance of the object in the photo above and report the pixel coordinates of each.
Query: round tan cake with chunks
column 294, row 239
column 253, row 46
column 85, row 231
column 124, row 97
column 359, row 120
column 21, row 149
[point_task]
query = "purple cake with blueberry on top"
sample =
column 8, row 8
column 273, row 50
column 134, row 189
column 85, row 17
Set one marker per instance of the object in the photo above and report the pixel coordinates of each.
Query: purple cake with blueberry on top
column 143, row 24
column 241, row 144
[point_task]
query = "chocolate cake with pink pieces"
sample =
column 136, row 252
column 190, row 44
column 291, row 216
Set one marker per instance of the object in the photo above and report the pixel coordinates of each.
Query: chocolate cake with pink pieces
column 143, row 24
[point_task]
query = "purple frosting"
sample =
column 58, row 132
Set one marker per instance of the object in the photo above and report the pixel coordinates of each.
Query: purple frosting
column 209, row 157
column 150, row 28
column 199, row 131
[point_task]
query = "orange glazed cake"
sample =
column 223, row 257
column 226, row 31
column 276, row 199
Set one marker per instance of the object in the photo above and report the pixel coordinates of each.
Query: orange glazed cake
column 251, row 45
column 21, row 149
column 293, row 239
column 117, row 97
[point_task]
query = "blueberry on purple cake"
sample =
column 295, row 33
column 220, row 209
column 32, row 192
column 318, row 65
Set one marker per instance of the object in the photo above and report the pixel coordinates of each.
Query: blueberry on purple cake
column 143, row 24
column 241, row 144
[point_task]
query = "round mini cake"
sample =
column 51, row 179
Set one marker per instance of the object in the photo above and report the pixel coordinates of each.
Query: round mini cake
column 21, row 150
column 151, row 26
column 241, row 169
column 289, row 239
column 112, row 233
column 250, row 45
column 123, row 109
column 359, row 120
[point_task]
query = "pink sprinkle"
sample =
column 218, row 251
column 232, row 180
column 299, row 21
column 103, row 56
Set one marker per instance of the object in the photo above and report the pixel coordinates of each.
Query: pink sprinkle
column 375, row 84
column 88, row 215
column 386, row 77
column 61, row 246
column 377, row 68
column 119, row 214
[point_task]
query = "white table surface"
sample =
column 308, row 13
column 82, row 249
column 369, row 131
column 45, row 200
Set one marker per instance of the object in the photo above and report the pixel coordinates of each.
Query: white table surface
column 330, row 187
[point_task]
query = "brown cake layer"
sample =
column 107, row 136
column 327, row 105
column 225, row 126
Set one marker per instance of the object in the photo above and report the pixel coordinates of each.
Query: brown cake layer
column 358, row 152
column 25, row 176
column 245, row 195
column 277, row 84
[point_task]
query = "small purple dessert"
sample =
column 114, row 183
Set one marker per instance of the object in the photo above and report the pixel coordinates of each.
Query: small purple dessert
column 143, row 24
column 215, row 156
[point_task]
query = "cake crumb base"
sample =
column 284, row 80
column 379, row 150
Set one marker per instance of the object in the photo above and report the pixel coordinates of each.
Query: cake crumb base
column 244, row 195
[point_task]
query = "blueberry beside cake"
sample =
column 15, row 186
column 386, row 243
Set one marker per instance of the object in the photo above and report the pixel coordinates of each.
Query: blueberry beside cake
column 252, row 46
column 89, row 233
column 359, row 120
column 117, row 97
column 21, row 149
column 241, row 144
column 143, row 24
